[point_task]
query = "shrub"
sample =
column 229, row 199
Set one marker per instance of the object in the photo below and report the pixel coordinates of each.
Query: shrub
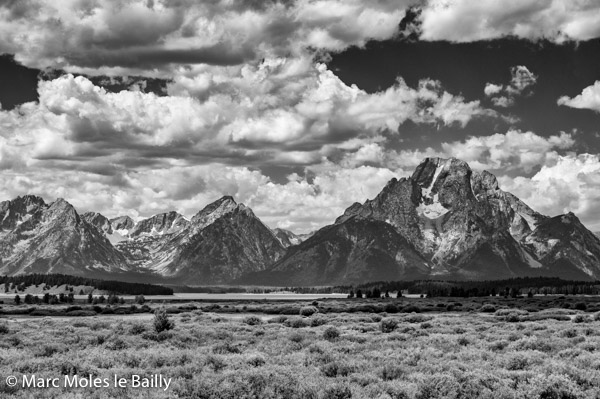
column 580, row 306
column 411, row 309
column 581, row 319
column 336, row 369
column 296, row 337
column 597, row 316
column 338, row 391
column 488, row 308
column 4, row 328
column 216, row 363
column 81, row 313
column 256, row 360
column 137, row 329
column 416, row 318
column 569, row 333
column 253, row 320
column 278, row 319
column 225, row 348
column 162, row 321
column 308, row 310
column 388, row 325
column 317, row 321
column 392, row 372
column 296, row 322
column 391, row 308
column 108, row 310
column 331, row 333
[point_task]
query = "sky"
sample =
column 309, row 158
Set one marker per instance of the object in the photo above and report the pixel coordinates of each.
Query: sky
column 296, row 108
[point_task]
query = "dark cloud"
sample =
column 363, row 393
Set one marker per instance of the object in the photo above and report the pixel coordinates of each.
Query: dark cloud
column 148, row 58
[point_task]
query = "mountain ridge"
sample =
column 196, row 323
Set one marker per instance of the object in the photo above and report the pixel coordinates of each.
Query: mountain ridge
column 444, row 221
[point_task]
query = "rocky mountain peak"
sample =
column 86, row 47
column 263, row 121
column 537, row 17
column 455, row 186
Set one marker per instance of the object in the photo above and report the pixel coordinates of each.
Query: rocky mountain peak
column 100, row 221
column 18, row 210
column 161, row 223
column 62, row 212
column 214, row 211
column 122, row 223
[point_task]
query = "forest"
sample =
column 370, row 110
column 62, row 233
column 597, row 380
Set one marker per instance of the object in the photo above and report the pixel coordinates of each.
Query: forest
column 120, row 287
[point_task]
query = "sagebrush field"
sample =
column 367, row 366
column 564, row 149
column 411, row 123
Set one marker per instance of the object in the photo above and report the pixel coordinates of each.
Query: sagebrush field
column 443, row 349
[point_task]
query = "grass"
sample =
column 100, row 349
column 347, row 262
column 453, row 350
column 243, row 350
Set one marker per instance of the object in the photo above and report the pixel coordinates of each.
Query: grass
column 467, row 353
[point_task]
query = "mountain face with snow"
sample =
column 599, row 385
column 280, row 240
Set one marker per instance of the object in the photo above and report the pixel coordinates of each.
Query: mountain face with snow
column 287, row 238
column 218, row 245
column 446, row 221
column 17, row 211
column 53, row 238
column 222, row 242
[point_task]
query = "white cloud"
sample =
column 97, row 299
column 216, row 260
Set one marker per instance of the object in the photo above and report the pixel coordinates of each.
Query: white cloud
column 114, row 152
column 514, row 150
column 588, row 99
column 569, row 184
column 491, row 89
column 522, row 78
column 142, row 37
column 466, row 21
column 505, row 95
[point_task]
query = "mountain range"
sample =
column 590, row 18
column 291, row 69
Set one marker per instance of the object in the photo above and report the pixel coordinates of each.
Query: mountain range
column 446, row 221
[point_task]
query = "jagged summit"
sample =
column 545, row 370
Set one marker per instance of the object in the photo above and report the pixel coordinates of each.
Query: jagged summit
column 444, row 221
column 454, row 223
column 122, row 223
column 98, row 220
column 161, row 223
column 213, row 211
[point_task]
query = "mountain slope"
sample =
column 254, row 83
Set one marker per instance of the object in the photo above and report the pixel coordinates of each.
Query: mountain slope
column 219, row 244
column 356, row 251
column 286, row 237
column 55, row 239
column 15, row 212
column 457, row 224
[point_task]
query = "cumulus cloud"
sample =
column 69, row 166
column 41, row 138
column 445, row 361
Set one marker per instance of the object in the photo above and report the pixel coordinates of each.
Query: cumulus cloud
column 466, row 21
column 153, row 36
column 212, row 135
column 571, row 183
column 520, row 84
column 514, row 150
column 588, row 99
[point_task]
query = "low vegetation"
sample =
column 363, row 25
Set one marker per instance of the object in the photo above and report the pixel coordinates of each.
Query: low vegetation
column 528, row 348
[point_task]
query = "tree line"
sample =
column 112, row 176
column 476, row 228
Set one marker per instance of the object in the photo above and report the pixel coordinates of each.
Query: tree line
column 512, row 287
column 22, row 281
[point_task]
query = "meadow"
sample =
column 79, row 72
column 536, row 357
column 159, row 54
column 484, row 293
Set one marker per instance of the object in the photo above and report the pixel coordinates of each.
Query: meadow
column 396, row 348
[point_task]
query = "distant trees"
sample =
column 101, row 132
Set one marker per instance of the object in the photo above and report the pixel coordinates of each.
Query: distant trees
column 514, row 287
column 23, row 281
column 17, row 299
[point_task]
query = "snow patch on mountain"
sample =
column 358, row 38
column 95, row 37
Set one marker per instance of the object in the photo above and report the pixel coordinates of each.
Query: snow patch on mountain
column 432, row 210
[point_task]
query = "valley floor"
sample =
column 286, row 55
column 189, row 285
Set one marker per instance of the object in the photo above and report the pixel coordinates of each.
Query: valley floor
column 488, row 351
